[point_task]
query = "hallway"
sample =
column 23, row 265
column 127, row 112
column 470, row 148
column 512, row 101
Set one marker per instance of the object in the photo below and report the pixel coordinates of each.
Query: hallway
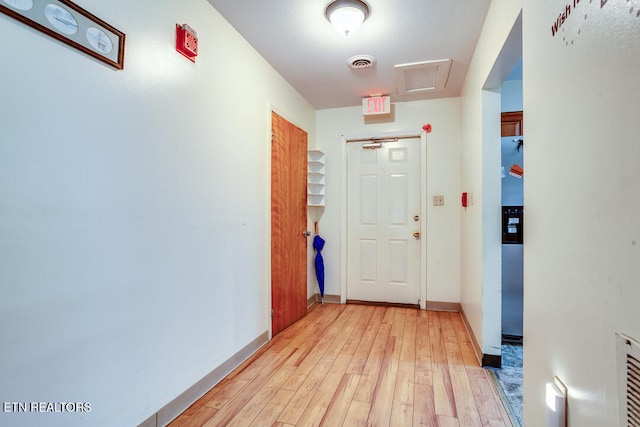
column 357, row 365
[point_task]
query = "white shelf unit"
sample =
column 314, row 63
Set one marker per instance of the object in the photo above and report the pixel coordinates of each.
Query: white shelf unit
column 315, row 178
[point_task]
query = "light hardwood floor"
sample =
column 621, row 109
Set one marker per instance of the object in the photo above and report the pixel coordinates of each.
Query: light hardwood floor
column 355, row 365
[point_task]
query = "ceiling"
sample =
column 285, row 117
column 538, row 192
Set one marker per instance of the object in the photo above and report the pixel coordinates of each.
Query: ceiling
column 297, row 40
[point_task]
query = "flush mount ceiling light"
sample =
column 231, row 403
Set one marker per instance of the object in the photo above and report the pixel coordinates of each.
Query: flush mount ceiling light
column 347, row 16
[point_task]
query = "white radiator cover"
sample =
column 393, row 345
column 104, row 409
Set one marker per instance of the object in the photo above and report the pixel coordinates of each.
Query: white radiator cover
column 628, row 363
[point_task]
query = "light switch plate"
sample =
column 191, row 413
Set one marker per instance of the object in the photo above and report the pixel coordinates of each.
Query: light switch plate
column 438, row 200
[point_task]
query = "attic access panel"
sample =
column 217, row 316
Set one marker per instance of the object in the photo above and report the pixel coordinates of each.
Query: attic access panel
column 421, row 77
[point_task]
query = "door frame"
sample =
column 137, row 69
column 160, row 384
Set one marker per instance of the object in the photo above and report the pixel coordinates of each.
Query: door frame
column 423, row 208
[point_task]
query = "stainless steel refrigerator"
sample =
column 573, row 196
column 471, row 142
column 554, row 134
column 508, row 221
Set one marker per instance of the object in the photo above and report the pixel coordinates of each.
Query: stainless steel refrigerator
column 512, row 272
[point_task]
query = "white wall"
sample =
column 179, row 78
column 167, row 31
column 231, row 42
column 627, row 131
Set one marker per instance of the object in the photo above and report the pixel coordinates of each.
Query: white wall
column 134, row 211
column 480, row 175
column 512, row 189
column 443, row 172
column 581, row 99
column 511, row 96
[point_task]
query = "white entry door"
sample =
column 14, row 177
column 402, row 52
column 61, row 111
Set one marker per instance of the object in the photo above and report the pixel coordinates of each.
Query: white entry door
column 383, row 213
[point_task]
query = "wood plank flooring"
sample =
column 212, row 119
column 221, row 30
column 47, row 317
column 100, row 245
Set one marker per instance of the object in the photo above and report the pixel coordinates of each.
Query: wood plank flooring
column 355, row 365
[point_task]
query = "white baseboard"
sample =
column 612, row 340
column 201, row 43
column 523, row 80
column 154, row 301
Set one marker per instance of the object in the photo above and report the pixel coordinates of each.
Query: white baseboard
column 474, row 342
column 178, row 405
column 444, row 306
column 331, row 299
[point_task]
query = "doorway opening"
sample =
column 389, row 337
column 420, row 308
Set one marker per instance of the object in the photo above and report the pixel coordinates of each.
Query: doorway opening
column 509, row 376
column 494, row 357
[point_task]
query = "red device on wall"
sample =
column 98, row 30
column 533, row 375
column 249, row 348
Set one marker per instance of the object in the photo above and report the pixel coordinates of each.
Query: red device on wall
column 187, row 41
column 464, row 200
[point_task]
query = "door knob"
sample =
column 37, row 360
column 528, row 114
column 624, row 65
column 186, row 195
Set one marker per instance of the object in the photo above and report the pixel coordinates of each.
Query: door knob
column 306, row 233
column 416, row 234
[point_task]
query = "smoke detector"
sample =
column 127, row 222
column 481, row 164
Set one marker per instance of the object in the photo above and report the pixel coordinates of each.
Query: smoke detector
column 361, row 61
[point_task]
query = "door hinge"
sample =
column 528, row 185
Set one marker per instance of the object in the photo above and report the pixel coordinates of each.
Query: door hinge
column 272, row 313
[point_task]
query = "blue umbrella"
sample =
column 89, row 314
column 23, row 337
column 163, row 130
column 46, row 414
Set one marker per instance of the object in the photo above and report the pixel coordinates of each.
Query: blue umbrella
column 318, row 244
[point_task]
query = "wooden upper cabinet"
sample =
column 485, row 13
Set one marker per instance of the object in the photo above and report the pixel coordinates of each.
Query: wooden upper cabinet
column 511, row 123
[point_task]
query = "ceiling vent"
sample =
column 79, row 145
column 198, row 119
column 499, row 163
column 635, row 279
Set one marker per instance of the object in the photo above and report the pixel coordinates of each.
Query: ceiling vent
column 361, row 61
column 422, row 77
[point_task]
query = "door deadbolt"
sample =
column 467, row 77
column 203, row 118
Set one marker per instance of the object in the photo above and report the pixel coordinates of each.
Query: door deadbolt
column 416, row 234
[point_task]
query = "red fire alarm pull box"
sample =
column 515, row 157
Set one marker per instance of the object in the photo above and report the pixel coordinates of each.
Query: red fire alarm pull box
column 187, row 41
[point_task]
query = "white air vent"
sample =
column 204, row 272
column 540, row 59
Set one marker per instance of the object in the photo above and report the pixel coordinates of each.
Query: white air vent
column 628, row 352
column 361, row 61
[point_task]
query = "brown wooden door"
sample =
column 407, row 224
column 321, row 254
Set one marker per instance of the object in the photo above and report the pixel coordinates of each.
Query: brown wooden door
column 288, row 222
column 511, row 123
